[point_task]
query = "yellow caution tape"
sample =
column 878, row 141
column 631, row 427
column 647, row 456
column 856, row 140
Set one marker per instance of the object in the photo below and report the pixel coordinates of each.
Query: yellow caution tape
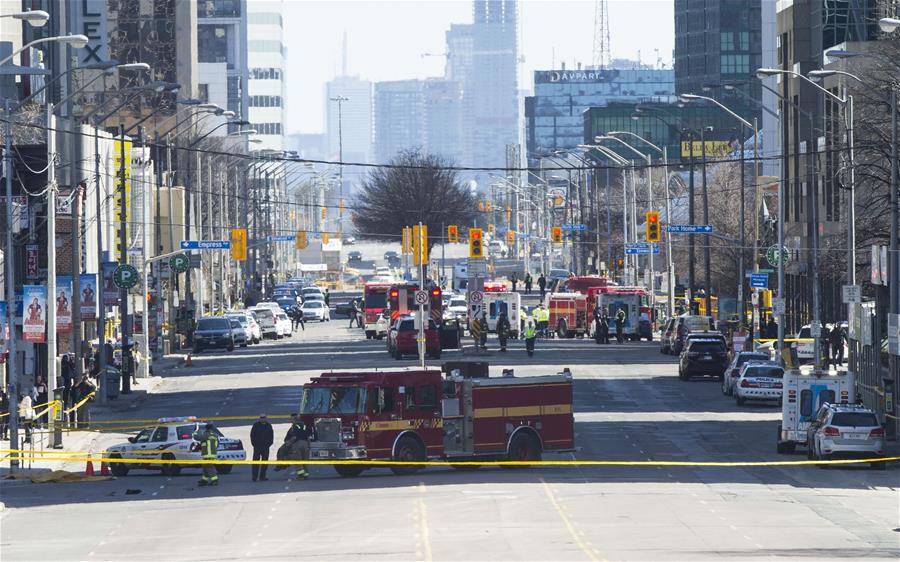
column 80, row 404
column 725, row 464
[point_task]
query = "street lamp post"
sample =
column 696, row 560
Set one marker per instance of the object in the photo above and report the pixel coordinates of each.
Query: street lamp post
column 340, row 101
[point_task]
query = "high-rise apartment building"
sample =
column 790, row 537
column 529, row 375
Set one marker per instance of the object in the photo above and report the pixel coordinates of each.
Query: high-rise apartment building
column 482, row 58
column 222, row 55
column 719, row 42
column 266, row 52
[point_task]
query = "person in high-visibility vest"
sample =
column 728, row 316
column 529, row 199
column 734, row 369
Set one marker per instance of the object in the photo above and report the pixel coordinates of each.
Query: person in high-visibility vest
column 542, row 317
column 209, row 445
column 529, row 333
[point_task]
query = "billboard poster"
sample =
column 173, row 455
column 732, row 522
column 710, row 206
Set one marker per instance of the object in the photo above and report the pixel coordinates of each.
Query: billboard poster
column 63, row 303
column 88, row 298
column 110, row 291
column 34, row 301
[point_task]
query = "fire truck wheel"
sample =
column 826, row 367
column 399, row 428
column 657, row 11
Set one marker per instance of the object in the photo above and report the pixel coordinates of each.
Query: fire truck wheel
column 408, row 449
column 561, row 328
column 348, row 470
column 524, row 447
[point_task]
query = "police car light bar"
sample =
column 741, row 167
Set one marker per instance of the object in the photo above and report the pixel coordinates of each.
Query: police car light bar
column 179, row 419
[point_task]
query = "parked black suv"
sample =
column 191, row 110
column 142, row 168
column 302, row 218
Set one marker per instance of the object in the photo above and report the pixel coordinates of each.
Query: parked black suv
column 213, row 332
column 703, row 356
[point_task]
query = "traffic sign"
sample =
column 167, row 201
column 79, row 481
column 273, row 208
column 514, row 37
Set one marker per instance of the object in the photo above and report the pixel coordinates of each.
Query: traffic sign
column 421, row 297
column 639, row 248
column 851, row 293
column 772, row 255
column 280, row 238
column 573, row 227
column 476, row 297
column 125, row 276
column 759, row 280
column 206, row 244
column 179, row 263
column 690, row 228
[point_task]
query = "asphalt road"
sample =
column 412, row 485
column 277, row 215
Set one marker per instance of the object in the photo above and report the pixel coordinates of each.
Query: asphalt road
column 629, row 406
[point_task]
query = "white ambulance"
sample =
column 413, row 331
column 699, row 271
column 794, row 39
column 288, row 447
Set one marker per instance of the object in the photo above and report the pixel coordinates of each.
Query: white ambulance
column 508, row 302
column 806, row 389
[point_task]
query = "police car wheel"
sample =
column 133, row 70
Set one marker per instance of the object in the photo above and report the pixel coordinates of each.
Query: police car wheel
column 170, row 469
column 118, row 468
column 223, row 468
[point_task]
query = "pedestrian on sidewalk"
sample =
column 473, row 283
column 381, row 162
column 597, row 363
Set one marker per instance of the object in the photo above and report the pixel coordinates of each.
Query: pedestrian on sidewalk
column 209, row 445
column 354, row 315
column 837, row 344
column 39, row 397
column 82, row 390
column 528, row 282
column 514, row 280
column 261, row 437
column 26, row 414
column 542, row 285
column 327, row 298
column 825, row 342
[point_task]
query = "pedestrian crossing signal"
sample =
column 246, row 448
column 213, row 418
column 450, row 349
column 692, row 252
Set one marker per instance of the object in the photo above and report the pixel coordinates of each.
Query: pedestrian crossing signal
column 453, row 234
column 556, row 235
column 511, row 236
column 652, row 225
column 476, row 241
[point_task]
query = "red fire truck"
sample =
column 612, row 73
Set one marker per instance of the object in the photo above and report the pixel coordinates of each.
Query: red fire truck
column 583, row 283
column 495, row 287
column 402, row 300
column 568, row 314
column 420, row 415
column 375, row 298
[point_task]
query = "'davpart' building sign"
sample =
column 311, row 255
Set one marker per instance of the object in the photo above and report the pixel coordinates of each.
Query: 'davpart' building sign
column 572, row 76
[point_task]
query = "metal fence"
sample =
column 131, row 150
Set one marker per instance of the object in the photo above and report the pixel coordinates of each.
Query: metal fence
column 877, row 370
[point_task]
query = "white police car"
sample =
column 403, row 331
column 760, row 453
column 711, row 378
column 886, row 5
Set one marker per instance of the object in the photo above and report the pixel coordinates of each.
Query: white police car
column 171, row 438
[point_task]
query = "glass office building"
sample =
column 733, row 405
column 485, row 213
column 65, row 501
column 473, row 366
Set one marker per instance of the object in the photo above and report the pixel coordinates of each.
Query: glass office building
column 554, row 114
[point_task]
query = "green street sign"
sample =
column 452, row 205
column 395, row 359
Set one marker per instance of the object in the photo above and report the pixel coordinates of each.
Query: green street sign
column 179, row 263
column 125, row 276
column 772, row 255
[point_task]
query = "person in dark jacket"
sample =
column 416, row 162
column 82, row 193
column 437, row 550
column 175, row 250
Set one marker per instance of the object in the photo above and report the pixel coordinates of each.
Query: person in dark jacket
column 542, row 285
column 82, row 390
column 604, row 327
column 503, row 329
column 40, row 395
column 261, row 437
column 837, row 344
column 296, row 444
column 527, row 283
column 4, row 421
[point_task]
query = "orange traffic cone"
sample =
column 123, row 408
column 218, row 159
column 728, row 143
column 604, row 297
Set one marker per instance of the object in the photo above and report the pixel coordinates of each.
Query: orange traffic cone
column 188, row 362
column 104, row 468
column 89, row 469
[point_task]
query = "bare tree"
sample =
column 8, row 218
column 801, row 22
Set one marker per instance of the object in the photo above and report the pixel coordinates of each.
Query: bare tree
column 414, row 188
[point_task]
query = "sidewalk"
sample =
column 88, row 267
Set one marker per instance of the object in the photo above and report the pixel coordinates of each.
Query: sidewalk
column 90, row 440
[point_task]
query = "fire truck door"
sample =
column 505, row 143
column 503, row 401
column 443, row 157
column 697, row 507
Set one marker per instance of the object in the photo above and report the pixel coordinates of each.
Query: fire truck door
column 421, row 408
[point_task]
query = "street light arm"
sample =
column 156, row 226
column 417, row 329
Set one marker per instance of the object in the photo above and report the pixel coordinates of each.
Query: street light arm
column 625, row 144
column 74, row 39
column 690, row 97
column 637, row 136
column 606, row 152
column 770, row 71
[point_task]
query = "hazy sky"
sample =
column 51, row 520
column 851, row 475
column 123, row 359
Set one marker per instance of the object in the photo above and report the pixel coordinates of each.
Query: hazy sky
column 386, row 40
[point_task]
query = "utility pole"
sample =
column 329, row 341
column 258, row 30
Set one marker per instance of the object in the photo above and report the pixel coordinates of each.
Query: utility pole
column 123, row 261
column 10, row 273
column 340, row 101
column 741, row 309
column 706, row 257
column 98, row 285
column 51, row 267
column 691, row 256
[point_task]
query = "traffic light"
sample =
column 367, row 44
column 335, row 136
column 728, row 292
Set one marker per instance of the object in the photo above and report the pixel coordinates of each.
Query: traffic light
column 325, row 238
column 406, row 242
column 652, row 225
column 453, row 234
column 481, row 205
column 476, row 247
column 324, row 213
column 488, row 206
column 508, row 214
column 420, row 244
column 300, row 240
column 511, row 236
column 556, row 235
column 239, row 244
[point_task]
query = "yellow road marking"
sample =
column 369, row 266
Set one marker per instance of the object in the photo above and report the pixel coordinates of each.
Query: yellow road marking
column 567, row 522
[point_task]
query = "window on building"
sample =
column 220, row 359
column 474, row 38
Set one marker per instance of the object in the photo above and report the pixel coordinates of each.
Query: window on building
column 212, row 43
column 203, row 93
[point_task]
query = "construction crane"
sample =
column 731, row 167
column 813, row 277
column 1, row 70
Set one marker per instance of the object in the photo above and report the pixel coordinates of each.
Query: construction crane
column 601, row 34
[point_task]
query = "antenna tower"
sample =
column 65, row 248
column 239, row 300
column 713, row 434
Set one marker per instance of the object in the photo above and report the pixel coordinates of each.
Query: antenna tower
column 601, row 34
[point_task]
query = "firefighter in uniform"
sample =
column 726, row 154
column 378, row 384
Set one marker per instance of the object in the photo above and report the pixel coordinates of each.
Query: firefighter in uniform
column 209, row 444
column 529, row 333
column 297, row 442
column 503, row 328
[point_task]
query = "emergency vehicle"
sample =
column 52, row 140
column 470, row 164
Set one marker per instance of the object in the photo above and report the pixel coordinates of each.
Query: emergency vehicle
column 581, row 284
column 375, row 297
column 568, row 314
column 171, row 439
column 495, row 287
column 635, row 301
column 420, row 415
column 402, row 301
column 497, row 302
column 804, row 391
